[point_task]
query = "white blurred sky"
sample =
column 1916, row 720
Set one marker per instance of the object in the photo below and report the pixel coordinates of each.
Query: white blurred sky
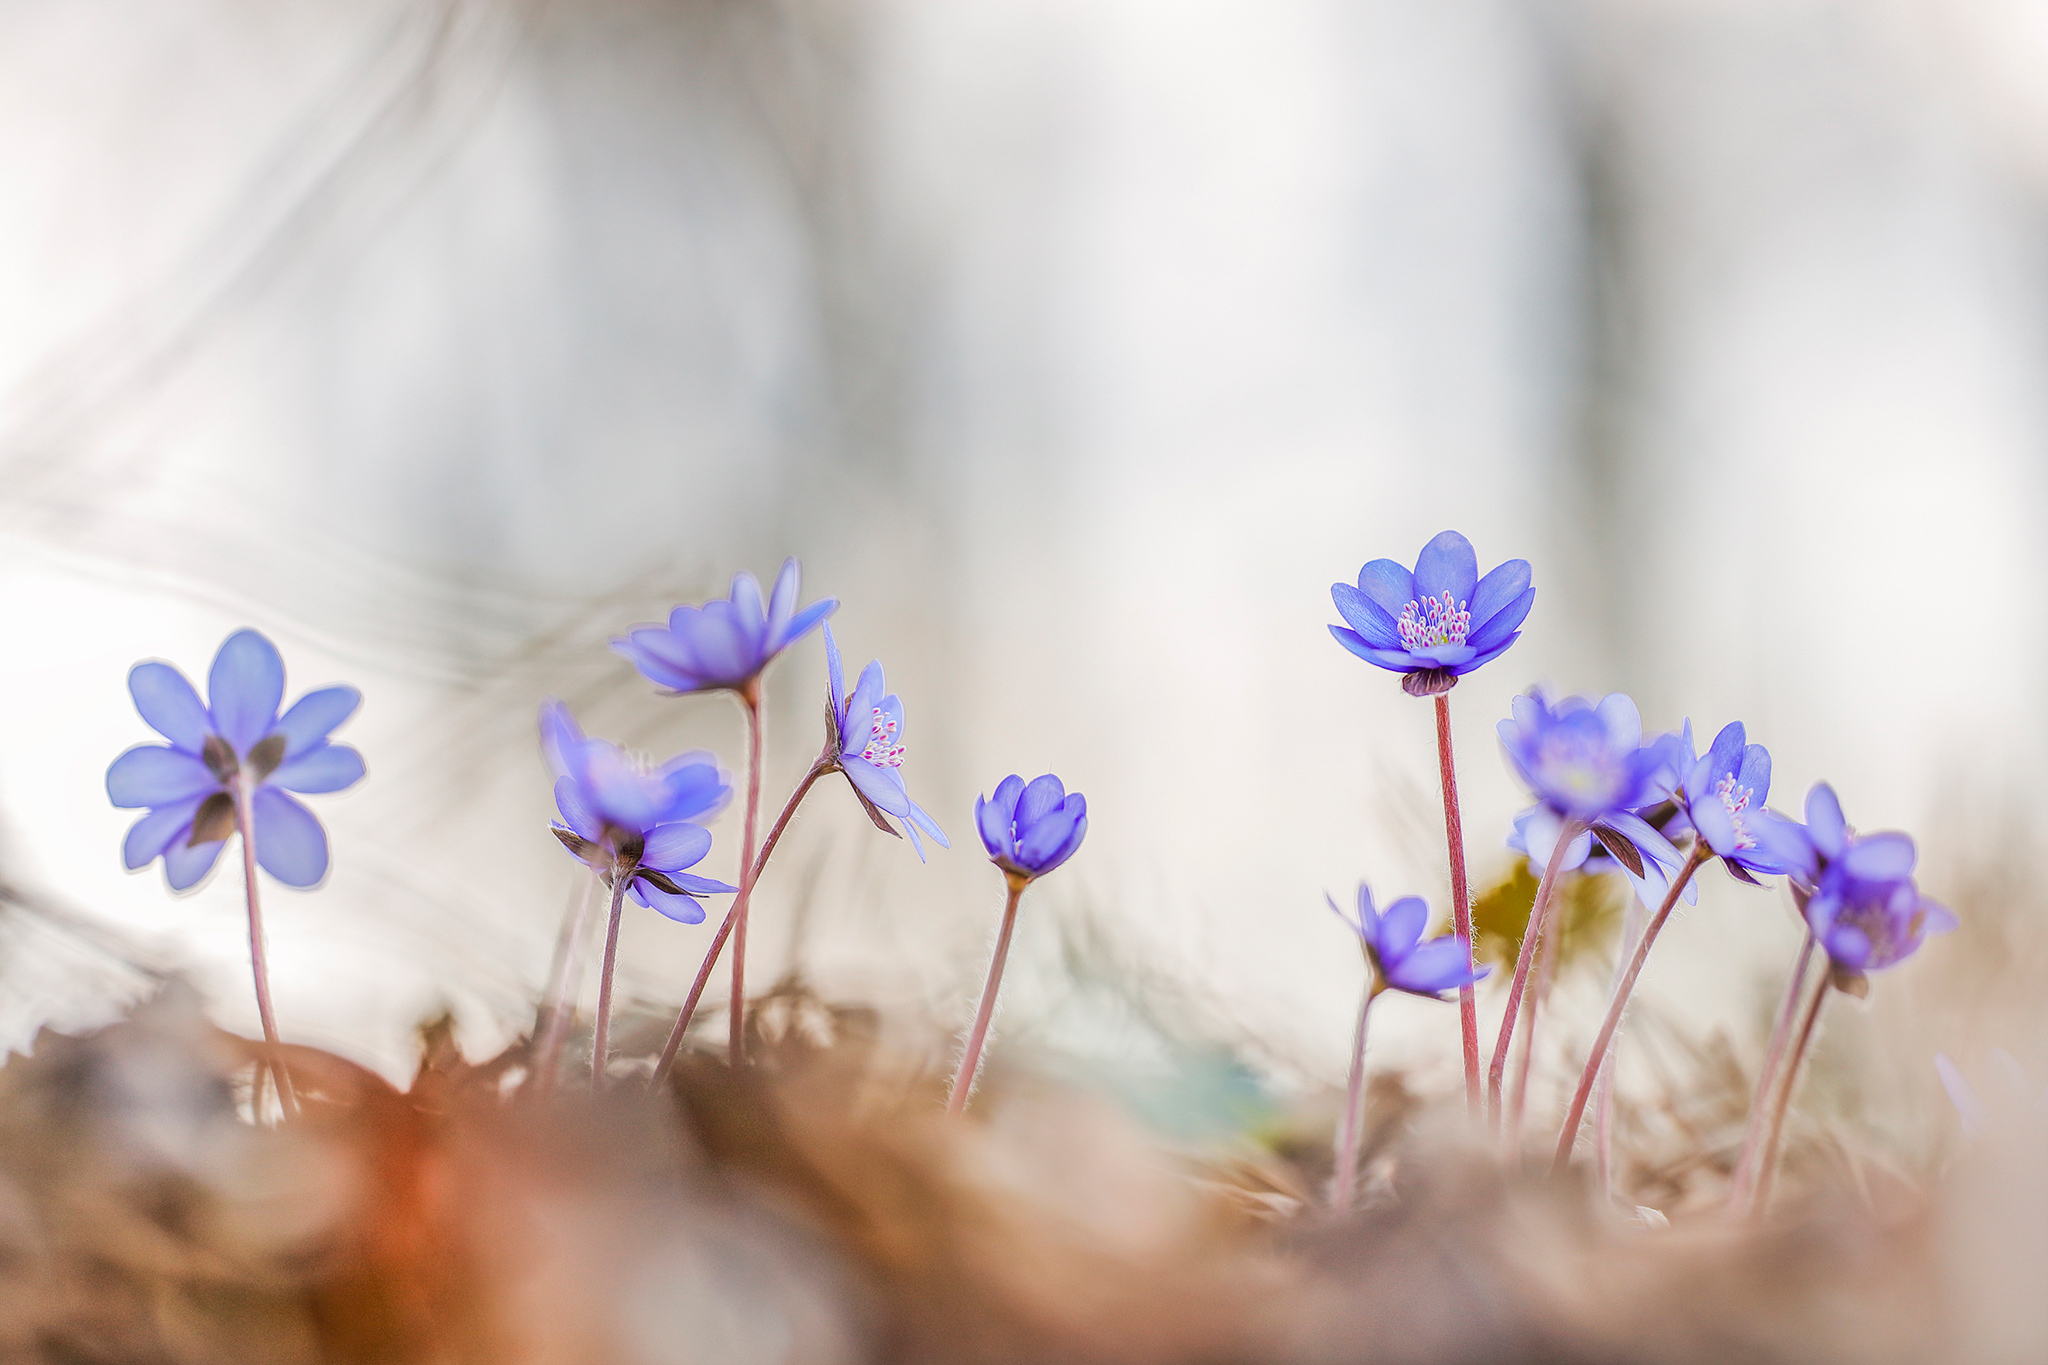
column 1077, row 348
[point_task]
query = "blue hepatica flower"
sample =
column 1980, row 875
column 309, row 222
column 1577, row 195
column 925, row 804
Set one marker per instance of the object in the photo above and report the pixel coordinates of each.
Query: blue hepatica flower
column 1721, row 795
column 1438, row 622
column 1863, row 904
column 620, row 817
column 1587, row 855
column 1588, row 766
column 1393, row 942
column 1030, row 829
column 867, row 732
column 239, row 747
column 728, row 641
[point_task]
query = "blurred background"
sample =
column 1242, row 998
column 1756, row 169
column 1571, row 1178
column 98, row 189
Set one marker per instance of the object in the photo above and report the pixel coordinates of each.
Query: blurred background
column 1077, row 348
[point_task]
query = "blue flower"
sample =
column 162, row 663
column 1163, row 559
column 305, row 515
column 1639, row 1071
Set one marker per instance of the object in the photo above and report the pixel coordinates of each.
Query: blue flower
column 1393, row 941
column 1437, row 623
column 237, row 747
column 726, row 642
column 1588, row 766
column 621, row 817
column 866, row 731
column 1862, row 903
column 1721, row 795
column 1030, row 830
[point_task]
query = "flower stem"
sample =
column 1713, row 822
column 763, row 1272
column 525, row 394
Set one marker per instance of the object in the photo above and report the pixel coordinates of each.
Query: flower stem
column 273, row 1061
column 1569, row 1134
column 1518, row 1091
column 1351, row 1131
column 564, row 981
column 1538, row 912
column 750, row 702
column 689, row 1010
column 1461, row 898
column 970, row 1060
column 1767, row 1078
column 1603, row 1089
column 601, row 1039
column 1768, row 1152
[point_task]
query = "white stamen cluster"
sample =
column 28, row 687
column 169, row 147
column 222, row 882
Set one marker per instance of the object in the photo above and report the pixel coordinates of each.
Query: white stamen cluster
column 882, row 749
column 1431, row 621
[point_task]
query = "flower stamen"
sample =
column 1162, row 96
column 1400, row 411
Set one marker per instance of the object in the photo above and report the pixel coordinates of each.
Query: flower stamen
column 882, row 750
column 1735, row 800
column 1430, row 622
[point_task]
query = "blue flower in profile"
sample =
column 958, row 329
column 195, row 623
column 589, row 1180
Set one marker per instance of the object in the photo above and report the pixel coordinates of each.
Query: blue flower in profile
column 236, row 749
column 1030, row 829
column 1721, row 796
column 622, row 818
column 1438, row 622
column 728, row 641
column 1393, row 942
column 1863, row 905
column 866, row 732
column 1588, row 767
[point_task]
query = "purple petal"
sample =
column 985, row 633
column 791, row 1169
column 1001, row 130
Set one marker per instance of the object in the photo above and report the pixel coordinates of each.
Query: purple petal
column 701, row 886
column 1072, row 843
column 749, row 615
column 157, row 775
column 681, row 909
column 1401, row 927
column 329, row 768
column 1937, row 918
column 1037, row 845
column 1368, row 915
column 883, row 786
column 867, row 697
column 673, row 847
column 696, row 787
column 657, row 670
column 1755, row 773
column 577, row 812
column 186, row 865
column 1374, row 624
column 723, row 643
column 245, row 686
column 1506, row 584
column 560, row 737
column 290, row 845
column 835, row 676
column 1726, row 750
column 156, row 831
column 997, row 835
column 1880, row 857
column 313, row 717
column 917, row 820
column 1824, row 823
column 1387, row 583
column 1439, row 965
column 806, row 621
column 1849, row 946
column 1044, row 794
column 1447, row 565
column 1621, row 720
column 620, row 792
column 1710, row 818
column 170, row 706
column 1487, row 656
column 1497, row 630
column 782, row 602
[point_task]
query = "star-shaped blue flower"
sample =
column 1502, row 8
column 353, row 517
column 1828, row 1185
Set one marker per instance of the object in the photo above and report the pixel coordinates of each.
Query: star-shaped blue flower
column 238, row 745
column 1864, row 906
column 1438, row 622
column 728, row 641
column 618, row 815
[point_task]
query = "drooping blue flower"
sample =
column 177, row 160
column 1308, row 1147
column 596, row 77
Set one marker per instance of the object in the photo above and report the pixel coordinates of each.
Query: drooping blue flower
column 239, row 745
column 867, row 731
column 1030, row 829
column 1438, row 622
column 1393, row 941
column 1863, row 905
column 619, row 815
column 728, row 641
column 1587, row 765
